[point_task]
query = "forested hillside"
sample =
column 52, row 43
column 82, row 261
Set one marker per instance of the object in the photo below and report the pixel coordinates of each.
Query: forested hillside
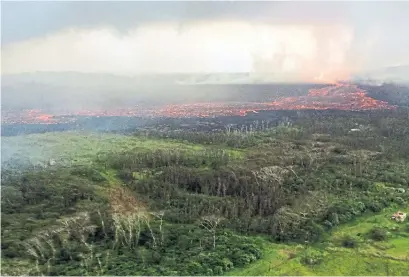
column 296, row 197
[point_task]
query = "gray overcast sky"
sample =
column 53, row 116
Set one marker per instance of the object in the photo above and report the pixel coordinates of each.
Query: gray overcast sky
column 26, row 19
column 381, row 24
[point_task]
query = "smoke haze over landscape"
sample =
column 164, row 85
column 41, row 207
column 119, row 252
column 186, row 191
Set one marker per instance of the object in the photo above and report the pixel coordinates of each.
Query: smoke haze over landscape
column 312, row 41
column 79, row 55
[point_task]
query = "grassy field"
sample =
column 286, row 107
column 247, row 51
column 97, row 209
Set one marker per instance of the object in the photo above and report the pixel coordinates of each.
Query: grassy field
column 75, row 147
column 390, row 257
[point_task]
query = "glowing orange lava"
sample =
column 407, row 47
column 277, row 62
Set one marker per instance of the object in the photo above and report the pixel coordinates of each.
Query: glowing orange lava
column 29, row 117
column 337, row 97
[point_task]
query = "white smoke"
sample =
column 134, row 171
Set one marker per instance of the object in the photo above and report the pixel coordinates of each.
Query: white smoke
column 201, row 47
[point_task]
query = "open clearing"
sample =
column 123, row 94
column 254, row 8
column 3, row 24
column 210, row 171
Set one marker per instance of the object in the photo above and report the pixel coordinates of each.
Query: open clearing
column 389, row 257
column 81, row 147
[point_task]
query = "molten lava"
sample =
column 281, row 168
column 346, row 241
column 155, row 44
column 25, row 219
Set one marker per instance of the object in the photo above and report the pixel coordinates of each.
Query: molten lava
column 29, row 117
column 337, row 97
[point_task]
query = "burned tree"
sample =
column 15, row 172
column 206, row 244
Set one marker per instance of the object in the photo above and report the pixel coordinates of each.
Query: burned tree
column 210, row 223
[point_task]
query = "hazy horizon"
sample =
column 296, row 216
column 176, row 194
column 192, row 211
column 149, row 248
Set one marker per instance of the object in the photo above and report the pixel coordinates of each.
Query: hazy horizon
column 311, row 41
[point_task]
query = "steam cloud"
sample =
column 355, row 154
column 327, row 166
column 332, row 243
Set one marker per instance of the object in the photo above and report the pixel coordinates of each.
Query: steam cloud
column 208, row 47
column 300, row 41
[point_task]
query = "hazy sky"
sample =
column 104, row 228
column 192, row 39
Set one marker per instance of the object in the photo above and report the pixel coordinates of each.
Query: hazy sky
column 311, row 39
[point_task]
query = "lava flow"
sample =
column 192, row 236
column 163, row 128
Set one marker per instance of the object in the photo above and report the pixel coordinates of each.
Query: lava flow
column 28, row 117
column 337, row 97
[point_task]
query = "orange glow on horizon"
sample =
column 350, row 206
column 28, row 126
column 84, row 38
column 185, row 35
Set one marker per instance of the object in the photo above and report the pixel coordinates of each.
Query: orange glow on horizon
column 337, row 97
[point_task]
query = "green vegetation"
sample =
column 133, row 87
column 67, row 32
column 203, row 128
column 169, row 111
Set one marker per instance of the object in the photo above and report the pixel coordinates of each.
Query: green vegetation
column 72, row 147
column 306, row 198
column 330, row 256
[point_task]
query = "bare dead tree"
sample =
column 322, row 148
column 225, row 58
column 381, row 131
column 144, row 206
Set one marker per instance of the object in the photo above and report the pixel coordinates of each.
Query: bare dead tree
column 42, row 247
column 128, row 215
column 147, row 221
column 159, row 215
column 210, row 223
column 102, row 224
column 228, row 128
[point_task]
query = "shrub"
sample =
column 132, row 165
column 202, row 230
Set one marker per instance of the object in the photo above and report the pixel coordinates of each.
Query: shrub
column 252, row 249
column 241, row 258
column 312, row 257
column 360, row 207
column 349, row 242
column 218, row 270
column 88, row 173
column 399, row 200
column 406, row 228
column 339, row 150
column 378, row 234
column 333, row 218
column 195, row 268
column 380, row 187
column 328, row 224
column 375, row 207
column 363, row 184
column 125, row 174
column 227, row 264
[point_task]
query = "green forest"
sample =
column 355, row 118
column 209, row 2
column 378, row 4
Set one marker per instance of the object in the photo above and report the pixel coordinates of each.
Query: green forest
column 310, row 196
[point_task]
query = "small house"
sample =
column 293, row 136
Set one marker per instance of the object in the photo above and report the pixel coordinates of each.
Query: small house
column 399, row 216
